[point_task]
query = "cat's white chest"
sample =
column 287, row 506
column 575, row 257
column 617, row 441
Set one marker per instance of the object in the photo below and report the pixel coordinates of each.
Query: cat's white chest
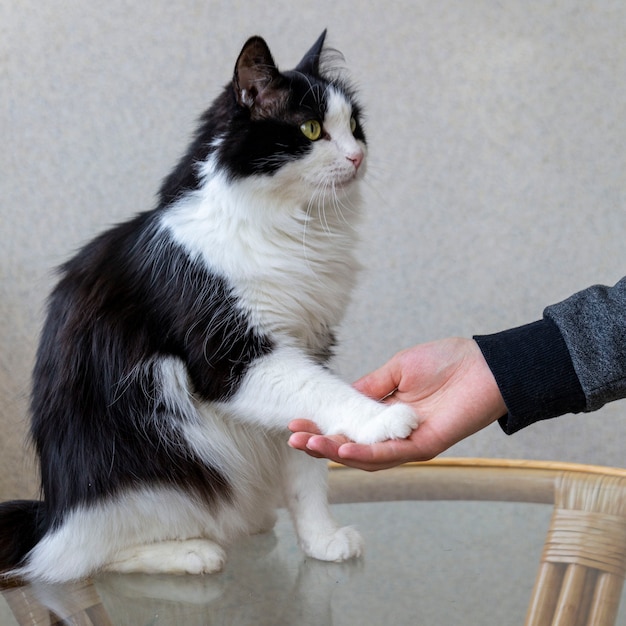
column 291, row 269
column 297, row 284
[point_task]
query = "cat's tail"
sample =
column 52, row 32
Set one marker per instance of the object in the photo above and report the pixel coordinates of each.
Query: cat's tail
column 22, row 525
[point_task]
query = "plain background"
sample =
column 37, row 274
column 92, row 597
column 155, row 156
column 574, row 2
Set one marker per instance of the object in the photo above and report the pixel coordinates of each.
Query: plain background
column 496, row 180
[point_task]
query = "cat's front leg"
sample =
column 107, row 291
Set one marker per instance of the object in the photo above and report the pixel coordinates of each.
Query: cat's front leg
column 306, row 495
column 287, row 384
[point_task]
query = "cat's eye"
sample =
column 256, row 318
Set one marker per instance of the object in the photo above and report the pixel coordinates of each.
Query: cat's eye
column 311, row 129
column 352, row 125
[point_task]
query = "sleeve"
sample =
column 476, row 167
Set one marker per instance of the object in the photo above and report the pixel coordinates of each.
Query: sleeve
column 593, row 325
column 534, row 372
column 572, row 360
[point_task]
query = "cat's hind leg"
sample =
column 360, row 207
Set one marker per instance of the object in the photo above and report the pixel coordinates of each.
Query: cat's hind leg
column 306, row 494
column 189, row 556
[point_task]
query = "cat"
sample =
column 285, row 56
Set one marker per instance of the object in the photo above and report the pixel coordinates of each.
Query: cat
column 178, row 345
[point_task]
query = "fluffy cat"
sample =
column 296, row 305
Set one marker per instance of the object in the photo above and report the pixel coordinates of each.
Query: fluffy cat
column 178, row 346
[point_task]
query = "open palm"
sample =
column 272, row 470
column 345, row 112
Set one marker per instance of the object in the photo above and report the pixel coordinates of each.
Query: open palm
column 446, row 382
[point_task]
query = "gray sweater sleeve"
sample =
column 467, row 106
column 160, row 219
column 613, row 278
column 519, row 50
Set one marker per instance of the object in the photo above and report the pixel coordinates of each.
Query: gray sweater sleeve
column 572, row 360
column 593, row 325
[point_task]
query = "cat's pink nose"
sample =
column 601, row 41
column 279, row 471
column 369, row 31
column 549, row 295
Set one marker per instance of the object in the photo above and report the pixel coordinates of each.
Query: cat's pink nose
column 356, row 159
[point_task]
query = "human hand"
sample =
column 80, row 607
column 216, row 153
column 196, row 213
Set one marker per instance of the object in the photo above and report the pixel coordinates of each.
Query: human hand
column 446, row 382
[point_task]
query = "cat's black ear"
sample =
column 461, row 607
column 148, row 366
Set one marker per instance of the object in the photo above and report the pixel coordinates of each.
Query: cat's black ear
column 257, row 79
column 310, row 63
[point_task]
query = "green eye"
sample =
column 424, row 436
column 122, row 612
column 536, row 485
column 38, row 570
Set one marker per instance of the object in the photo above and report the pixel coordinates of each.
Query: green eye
column 352, row 124
column 311, row 129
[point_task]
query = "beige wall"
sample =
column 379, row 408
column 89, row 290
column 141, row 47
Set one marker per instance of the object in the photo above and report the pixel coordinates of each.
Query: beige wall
column 496, row 179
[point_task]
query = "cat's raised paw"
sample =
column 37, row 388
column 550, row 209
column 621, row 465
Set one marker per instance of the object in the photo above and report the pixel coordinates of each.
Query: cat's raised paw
column 395, row 421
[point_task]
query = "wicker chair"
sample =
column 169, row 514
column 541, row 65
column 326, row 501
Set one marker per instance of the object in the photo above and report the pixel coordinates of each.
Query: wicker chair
column 582, row 569
column 78, row 604
column 584, row 559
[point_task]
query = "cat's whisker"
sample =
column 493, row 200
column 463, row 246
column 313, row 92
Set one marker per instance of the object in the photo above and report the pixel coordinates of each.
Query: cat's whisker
column 339, row 207
column 326, row 197
column 344, row 208
column 313, row 90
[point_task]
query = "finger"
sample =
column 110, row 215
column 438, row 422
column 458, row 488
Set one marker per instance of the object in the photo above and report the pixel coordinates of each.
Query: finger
column 316, row 443
column 304, row 426
column 379, row 383
column 324, row 446
column 379, row 455
column 364, row 457
column 299, row 440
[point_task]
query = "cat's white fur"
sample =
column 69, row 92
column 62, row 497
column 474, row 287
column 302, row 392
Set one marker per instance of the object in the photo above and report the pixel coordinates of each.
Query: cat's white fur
column 285, row 242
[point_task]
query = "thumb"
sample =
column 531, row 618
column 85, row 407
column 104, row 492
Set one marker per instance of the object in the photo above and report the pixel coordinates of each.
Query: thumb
column 380, row 382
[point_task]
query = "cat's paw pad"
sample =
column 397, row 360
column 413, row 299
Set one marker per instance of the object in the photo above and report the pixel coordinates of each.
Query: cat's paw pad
column 395, row 421
column 340, row 545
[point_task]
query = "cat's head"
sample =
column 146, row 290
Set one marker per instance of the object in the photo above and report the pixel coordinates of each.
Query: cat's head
column 298, row 128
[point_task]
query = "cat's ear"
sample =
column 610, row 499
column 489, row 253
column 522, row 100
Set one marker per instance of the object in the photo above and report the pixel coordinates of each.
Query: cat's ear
column 257, row 79
column 310, row 63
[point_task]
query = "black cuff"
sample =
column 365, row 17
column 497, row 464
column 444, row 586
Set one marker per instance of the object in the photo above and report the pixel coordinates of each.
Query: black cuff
column 534, row 371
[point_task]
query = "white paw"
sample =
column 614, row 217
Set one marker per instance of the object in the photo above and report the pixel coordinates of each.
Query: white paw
column 191, row 556
column 339, row 545
column 201, row 557
column 395, row 421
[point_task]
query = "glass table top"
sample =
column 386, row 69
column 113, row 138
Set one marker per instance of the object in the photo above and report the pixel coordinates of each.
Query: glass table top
column 441, row 562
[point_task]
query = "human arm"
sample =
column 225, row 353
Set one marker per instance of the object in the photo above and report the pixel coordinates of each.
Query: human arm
column 572, row 360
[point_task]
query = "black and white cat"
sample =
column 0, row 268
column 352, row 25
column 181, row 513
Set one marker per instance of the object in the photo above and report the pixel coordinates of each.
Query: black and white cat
column 179, row 345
